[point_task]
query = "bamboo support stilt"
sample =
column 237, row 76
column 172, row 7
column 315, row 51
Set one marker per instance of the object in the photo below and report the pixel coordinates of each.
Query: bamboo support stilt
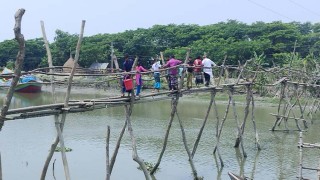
column 203, row 124
column 184, row 139
column 254, row 123
column 246, row 113
column 278, row 118
column 61, row 141
column 17, row 72
column 220, row 126
column 107, row 154
column 222, row 69
column 0, row 167
column 18, row 65
column 235, row 115
column 46, row 165
column 114, row 156
column 174, row 103
column 60, row 125
column 135, row 155
column 300, row 146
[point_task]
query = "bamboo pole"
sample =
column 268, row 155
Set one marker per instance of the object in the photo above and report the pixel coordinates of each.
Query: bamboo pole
column 254, row 122
column 235, row 115
column 184, row 139
column 300, row 146
column 162, row 59
column 112, row 54
column 0, row 168
column 174, row 103
column 59, row 125
column 49, row 60
column 135, row 155
column 51, row 152
column 115, row 153
column 183, row 71
column 283, row 86
column 246, row 113
column 107, row 154
column 222, row 69
column 64, row 157
column 212, row 94
column 18, row 65
column 218, row 133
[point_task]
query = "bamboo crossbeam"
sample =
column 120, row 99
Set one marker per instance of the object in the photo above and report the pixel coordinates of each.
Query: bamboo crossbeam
column 315, row 169
column 277, row 115
column 42, row 107
column 310, row 145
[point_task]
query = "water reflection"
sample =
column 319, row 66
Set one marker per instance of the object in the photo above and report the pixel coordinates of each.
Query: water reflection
column 25, row 143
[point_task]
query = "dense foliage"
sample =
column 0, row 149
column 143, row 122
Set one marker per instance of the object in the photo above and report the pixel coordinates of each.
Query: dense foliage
column 239, row 41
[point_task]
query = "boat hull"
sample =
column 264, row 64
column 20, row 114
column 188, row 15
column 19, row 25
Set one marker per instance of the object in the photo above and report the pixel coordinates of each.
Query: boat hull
column 28, row 87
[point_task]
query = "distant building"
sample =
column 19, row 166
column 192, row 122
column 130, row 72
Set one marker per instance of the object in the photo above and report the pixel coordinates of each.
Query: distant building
column 99, row 66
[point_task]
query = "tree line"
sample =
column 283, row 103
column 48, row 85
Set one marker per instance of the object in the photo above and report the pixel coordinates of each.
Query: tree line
column 274, row 42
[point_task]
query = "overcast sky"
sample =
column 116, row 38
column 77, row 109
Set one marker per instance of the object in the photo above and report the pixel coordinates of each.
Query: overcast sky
column 106, row 16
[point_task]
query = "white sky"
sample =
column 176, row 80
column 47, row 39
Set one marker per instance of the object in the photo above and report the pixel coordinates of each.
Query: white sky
column 106, row 16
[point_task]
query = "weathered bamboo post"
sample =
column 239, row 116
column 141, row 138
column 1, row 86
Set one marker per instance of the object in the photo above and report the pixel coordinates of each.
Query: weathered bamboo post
column 242, row 69
column 56, row 141
column 246, row 113
column 18, row 65
column 254, row 122
column 46, row 43
column 162, row 58
column 282, row 91
column 183, row 72
column 59, row 125
column 184, row 139
column 218, row 133
column 114, row 156
column 112, row 54
column 213, row 94
column 222, row 69
column 107, row 154
column 230, row 92
column 135, row 156
column 66, row 106
column 300, row 146
column 174, row 104
column 0, row 168
column 217, row 130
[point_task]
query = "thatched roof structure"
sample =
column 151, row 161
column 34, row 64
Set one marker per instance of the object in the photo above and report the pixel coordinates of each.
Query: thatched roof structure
column 69, row 65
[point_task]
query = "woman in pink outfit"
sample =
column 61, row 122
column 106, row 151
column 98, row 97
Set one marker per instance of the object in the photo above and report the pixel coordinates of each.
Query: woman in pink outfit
column 139, row 69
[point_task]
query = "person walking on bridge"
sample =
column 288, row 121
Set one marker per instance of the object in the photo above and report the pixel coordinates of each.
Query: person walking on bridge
column 156, row 75
column 190, row 73
column 173, row 72
column 207, row 70
column 198, row 71
column 139, row 69
column 127, row 66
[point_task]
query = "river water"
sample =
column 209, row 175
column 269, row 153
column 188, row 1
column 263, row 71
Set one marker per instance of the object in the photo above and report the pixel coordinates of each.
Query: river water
column 25, row 143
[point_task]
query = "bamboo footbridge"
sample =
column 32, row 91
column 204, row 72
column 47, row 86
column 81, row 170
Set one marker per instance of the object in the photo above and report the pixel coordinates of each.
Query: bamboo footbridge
column 296, row 91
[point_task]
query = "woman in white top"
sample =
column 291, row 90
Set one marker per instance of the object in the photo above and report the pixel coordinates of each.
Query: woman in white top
column 207, row 69
column 156, row 74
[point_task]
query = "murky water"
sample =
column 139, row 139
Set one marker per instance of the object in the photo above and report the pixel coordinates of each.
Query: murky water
column 25, row 143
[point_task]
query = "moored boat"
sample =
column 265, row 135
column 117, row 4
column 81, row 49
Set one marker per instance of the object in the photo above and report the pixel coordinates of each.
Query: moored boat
column 26, row 84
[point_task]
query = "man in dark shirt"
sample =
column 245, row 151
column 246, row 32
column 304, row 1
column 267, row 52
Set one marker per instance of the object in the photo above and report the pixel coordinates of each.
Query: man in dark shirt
column 127, row 66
